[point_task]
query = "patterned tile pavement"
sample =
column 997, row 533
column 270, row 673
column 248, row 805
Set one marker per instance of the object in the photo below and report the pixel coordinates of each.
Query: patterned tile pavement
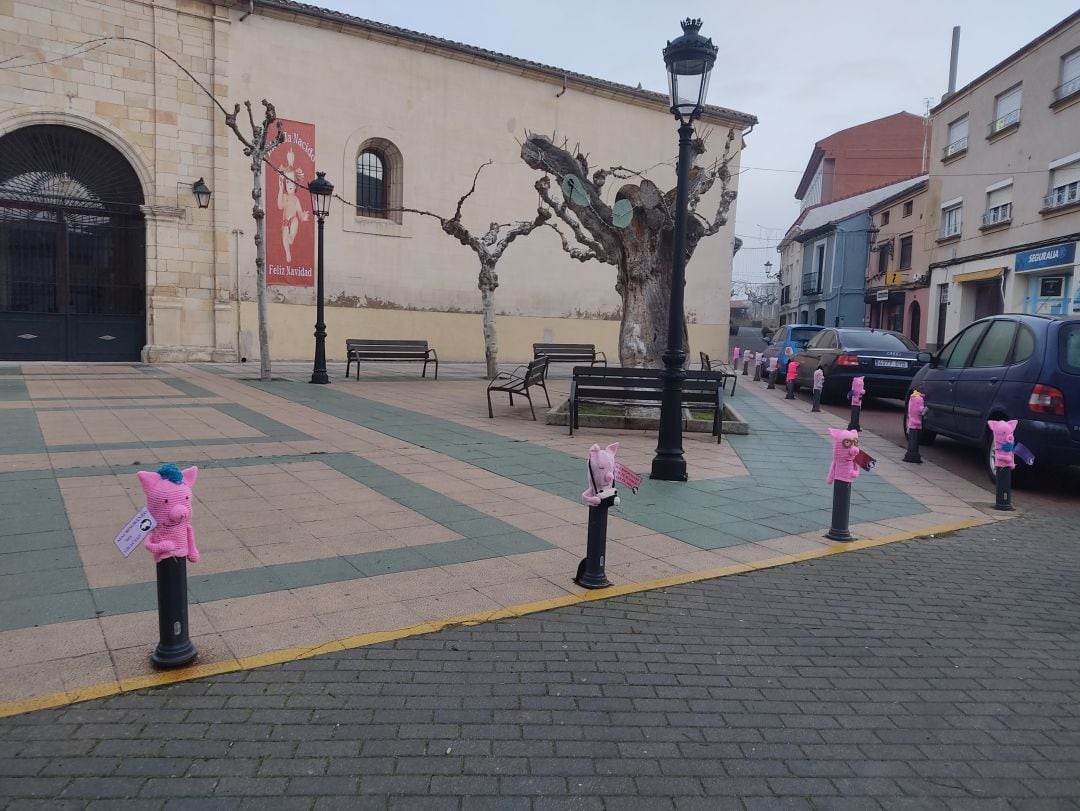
column 330, row 515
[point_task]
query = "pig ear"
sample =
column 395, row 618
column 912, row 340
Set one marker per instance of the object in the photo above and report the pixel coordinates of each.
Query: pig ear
column 835, row 433
column 595, row 449
column 147, row 479
column 613, row 448
column 190, row 475
column 1011, row 424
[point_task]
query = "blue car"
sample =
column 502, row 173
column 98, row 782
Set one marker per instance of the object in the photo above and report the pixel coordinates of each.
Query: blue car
column 790, row 336
column 1011, row 366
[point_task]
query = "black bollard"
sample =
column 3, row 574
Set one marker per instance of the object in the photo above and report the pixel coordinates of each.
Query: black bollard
column 745, row 365
column 772, row 379
column 853, row 424
column 1004, row 490
column 817, row 401
column 175, row 648
column 757, row 371
column 913, row 454
column 790, row 390
column 590, row 573
column 841, row 510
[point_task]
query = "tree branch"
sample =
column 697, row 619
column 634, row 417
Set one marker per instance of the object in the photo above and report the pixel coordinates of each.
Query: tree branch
column 543, row 187
column 466, row 195
column 575, row 253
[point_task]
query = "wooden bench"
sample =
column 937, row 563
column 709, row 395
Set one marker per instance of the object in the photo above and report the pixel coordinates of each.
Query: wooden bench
column 519, row 381
column 357, row 349
column 701, row 389
column 570, row 353
column 708, row 366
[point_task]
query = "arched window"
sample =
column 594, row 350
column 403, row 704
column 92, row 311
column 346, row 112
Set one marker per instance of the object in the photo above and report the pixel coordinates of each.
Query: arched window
column 372, row 184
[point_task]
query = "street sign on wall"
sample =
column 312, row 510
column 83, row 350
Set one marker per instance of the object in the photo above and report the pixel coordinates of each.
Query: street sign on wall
column 1048, row 257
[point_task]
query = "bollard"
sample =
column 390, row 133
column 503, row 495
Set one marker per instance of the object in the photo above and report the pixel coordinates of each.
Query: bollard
column 171, row 542
column 757, row 367
column 819, row 384
column 916, row 408
column 842, row 472
column 792, row 373
column 601, row 496
column 772, row 373
column 858, row 389
column 1004, row 461
column 746, row 364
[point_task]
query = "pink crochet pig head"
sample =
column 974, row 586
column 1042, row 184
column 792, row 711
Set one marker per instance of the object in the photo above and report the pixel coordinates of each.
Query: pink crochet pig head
column 858, row 389
column 916, row 407
column 1004, row 441
column 735, row 355
column 792, row 369
column 601, row 472
column 168, row 499
column 845, row 449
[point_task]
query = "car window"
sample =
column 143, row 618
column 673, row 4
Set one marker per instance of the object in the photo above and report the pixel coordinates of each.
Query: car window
column 828, row 340
column 801, row 337
column 858, row 339
column 1069, row 348
column 1024, row 346
column 995, row 345
column 962, row 346
column 819, row 340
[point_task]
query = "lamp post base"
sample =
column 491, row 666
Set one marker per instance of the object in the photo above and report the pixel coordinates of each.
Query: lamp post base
column 668, row 468
column 319, row 377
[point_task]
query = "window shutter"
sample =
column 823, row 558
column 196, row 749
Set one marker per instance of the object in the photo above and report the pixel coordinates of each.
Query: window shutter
column 999, row 197
column 1008, row 102
column 1064, row 175
column 958, row 130
column 1070, row 67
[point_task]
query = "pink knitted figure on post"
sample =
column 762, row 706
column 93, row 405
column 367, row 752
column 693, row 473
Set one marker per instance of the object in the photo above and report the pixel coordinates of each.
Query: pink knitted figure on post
column 916, row 408
column 1004, row 442
column 845, row 449
column 735, row 357
column 819, row 379
column 168, row 498
column 858, row 389
column 772, row 364
column 792, row 370
column 601, row 473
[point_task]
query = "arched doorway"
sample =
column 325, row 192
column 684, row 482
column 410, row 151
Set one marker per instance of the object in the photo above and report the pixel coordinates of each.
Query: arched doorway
column 72, row 248
column 916, row 323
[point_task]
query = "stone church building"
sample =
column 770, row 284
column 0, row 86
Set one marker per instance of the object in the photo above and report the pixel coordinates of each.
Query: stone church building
column 105, row 253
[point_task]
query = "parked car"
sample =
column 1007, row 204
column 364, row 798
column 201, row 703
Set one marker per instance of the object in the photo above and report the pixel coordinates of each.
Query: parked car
column 886, row 360
column 789, row 336
column 1010, row 366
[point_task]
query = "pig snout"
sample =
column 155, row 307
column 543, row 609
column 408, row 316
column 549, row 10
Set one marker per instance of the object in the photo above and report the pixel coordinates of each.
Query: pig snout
column 179, row 513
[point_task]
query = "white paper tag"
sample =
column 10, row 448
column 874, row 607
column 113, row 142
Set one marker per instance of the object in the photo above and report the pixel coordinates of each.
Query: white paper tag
column 135, row 532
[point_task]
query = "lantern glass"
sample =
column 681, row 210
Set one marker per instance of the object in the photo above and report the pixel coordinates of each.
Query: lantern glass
column 690, row 60
column 202, row 193
column 322, row 192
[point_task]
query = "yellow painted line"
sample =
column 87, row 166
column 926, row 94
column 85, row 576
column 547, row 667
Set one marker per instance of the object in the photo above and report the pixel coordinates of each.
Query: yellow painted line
column 231, row 665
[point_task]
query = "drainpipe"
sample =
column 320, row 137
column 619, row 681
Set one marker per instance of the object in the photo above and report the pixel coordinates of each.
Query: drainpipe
column 954, row 57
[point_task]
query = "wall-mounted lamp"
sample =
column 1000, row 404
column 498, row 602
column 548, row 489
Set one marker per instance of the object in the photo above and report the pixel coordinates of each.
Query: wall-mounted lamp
column 202, row 193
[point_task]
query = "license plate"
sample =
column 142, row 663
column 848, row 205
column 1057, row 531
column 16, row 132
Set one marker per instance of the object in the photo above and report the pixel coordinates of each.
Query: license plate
column 891, row 364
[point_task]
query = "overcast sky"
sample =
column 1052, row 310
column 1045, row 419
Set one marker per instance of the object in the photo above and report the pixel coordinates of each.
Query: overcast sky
column 804, row 69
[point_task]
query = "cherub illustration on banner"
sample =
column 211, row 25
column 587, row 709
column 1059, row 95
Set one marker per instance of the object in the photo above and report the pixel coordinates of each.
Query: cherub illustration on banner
column 292, row 210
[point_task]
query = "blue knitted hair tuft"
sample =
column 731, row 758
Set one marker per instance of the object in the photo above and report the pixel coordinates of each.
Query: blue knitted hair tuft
column 172, row 473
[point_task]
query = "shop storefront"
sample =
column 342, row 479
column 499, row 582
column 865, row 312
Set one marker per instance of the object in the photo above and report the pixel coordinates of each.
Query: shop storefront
column 1051, row 280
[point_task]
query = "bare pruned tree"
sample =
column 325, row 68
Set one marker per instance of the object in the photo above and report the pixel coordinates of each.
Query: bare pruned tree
column 638, row 242
column 489, row 248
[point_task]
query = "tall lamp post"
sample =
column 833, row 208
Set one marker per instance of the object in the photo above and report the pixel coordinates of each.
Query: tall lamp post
column 689, row 60
column 322, row 191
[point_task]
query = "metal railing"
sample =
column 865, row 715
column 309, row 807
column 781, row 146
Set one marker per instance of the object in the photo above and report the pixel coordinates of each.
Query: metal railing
column 997, row 214
column 1067, row 89
column 955, row 148
column 811, row 286
column 1005, row 121
column 1063, row 195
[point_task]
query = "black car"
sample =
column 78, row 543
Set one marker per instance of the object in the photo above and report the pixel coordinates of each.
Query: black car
column 886, row 360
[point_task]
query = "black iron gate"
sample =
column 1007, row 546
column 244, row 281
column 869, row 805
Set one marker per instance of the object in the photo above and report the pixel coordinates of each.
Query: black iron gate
column 72, row 248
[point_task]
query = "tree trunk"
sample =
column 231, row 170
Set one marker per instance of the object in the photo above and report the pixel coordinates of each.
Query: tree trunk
column 488, row 282
column 259, row 214
column 644, row 285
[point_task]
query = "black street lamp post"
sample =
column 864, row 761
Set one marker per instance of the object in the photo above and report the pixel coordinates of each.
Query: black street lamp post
column 322, row 191
column 689, row 60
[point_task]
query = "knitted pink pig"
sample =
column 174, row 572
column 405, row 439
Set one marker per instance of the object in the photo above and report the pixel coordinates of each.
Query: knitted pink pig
column 858, row 389
column 845, row 449
column 819, row 379
column 601, row 472
column 792, row 370
column 168, row 498
column 772, row 364
column 1004, row 442
column 735, row 356
column 916, row 408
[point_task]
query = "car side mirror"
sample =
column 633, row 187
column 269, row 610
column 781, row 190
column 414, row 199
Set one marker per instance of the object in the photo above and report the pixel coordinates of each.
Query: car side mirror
column 927, row 358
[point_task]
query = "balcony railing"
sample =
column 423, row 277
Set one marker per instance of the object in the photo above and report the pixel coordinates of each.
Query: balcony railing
column 1063, row 195
column 997, row 214
column 1067, row 89
column 1006, row 121
column 811, row 286
column 957, row 147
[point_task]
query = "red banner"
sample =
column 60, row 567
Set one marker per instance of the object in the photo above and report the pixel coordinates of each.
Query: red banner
column 290, row 225
column 625, row 475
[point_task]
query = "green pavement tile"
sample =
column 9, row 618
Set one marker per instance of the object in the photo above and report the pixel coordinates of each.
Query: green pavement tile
column 388, row 561
column 477, row 527
column 13, row 390
column 14, row 522
column 750, row 531
column 451, row 552
column 30, row 583
column 45, row 609
column 704, row 517
column 128, row 599
column 751, row 511
column 444, row 515
column 793, row 524
column 316, row 572
column 517, row 542
column 707, row 537
column 188, row 388
column 32, row 491
column 34, row 541
column 40, row 560
column 657, row 521
column 240, row 583
column 20, row 432
column 10, row 370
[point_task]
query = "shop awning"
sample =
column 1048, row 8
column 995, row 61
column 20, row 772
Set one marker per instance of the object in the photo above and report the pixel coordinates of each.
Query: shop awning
column 979, row 275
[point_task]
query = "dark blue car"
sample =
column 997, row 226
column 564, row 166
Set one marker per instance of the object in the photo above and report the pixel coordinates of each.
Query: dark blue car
column 1011, row 366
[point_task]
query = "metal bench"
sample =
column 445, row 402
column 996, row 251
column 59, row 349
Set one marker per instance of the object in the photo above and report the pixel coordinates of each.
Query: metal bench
column 709, row 366
column 701, row 389
column 358, row 349
column 518, row 382
column 570, row 353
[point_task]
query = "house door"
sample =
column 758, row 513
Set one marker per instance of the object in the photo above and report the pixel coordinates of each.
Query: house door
column 988, row 299
column 916, row 323
column 72, row 248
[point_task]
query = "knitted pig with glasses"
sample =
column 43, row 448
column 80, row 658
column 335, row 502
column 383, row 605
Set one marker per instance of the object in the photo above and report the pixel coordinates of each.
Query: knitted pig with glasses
column 858, row 389
column 845, row 449
column 601, row 472
column 168, row 499
column 1004, row 442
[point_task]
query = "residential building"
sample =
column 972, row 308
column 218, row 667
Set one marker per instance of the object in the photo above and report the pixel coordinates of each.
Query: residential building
column 1003, row 198
column 104, row 254
column 897, row 281
column 827, row 250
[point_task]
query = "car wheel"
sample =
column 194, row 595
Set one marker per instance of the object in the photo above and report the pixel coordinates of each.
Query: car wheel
column 988, row 457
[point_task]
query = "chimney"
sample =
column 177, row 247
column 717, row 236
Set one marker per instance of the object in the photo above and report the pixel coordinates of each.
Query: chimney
column 953, row 59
